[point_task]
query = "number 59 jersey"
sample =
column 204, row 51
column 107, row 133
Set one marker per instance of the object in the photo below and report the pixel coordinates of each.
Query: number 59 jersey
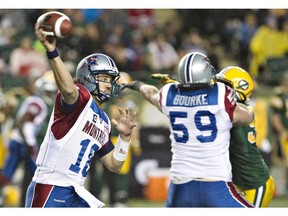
column 200, row 123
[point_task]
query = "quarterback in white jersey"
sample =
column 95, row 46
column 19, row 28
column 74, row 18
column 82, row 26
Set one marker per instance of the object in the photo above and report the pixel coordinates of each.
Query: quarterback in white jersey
column 78, row 130
column 75, row 136
column 201, row 114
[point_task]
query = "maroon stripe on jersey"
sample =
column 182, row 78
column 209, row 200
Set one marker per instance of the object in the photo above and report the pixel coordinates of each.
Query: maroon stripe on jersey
column 229, row 102
column 63, row 121
column 238, row 196
column 41, row 195
column 32, row 111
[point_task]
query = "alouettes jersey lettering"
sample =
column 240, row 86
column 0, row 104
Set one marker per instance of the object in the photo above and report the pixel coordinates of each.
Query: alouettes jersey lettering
column 71, row 141
column 200, row 123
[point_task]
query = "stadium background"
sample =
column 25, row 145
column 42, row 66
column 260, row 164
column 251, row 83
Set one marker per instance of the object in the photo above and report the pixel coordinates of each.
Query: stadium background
column 217, row 32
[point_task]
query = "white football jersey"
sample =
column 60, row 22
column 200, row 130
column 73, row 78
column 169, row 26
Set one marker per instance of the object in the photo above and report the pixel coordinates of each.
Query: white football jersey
column 200, row 123
column 35, row 110
column 71, row 141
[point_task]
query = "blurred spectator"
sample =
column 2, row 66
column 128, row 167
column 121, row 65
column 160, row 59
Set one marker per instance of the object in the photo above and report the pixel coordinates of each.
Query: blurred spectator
column 245, row 33
column 92, row 41
column 193, row 42
column 141, row 18
column 137, row 50
column 118, row 34
column 11, row 23
column 231, row 29
column 26, row 62
column 170, row 34
column 267, row 42
column 91, row 15
column 279, row 107
column 4, row 67
column 161, row 55
column 123, row 56
column 110, row 18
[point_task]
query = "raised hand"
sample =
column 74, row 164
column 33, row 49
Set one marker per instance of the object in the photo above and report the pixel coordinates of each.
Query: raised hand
column 126, row 123
column 49, row 42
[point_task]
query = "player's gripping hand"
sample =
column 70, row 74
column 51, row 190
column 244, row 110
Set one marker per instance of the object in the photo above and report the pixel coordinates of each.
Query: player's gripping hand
column 164, row 78
column 134, row 85
column 49, row 42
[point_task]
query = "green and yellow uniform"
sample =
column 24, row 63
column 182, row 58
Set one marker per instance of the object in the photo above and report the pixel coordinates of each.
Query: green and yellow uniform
column 250, row 173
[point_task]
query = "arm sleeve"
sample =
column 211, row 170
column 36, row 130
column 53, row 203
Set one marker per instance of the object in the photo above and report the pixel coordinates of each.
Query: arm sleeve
column 230, row 101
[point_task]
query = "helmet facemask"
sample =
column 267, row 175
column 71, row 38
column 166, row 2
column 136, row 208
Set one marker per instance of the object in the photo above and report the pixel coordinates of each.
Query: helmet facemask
column 94, row 82
column 240, row 80
column 88, row 72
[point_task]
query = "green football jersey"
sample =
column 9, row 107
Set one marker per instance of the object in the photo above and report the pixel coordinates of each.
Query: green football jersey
column 248, row 167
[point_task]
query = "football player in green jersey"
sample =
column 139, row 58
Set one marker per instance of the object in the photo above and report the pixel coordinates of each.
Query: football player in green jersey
column 250, row 173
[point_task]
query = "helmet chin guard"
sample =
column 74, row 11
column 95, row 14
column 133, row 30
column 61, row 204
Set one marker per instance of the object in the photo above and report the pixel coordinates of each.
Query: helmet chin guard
column 93, row 65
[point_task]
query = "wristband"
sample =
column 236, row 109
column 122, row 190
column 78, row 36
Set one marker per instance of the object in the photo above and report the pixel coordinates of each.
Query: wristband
column 53, row 54
column 121, row 149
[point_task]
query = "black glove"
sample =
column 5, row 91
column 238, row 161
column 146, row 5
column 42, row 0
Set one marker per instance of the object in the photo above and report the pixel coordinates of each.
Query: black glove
column 134, row 85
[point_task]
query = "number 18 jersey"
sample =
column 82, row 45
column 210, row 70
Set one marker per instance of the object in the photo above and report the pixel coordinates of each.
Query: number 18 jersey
column 200, row 123
column 71, row 141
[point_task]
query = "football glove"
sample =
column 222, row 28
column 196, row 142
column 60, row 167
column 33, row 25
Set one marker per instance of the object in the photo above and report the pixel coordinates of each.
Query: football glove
column 164, row 78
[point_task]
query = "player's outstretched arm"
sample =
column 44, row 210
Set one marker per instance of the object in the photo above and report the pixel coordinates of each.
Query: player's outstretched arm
column 149, row 92
column 62, row 76
column 164, row 78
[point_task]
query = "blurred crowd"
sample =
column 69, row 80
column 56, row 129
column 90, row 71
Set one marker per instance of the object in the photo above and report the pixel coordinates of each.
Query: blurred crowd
column 146, row 41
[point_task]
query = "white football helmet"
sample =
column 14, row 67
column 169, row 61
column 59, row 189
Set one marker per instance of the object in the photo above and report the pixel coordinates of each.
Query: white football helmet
column 93, row 65
column 46, row 86
column 195, row 67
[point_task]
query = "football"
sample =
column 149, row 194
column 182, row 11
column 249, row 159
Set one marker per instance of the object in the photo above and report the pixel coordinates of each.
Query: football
column 55, row 24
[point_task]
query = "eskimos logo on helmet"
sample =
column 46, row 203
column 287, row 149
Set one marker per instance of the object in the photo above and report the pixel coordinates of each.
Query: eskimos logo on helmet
column 243, row 84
